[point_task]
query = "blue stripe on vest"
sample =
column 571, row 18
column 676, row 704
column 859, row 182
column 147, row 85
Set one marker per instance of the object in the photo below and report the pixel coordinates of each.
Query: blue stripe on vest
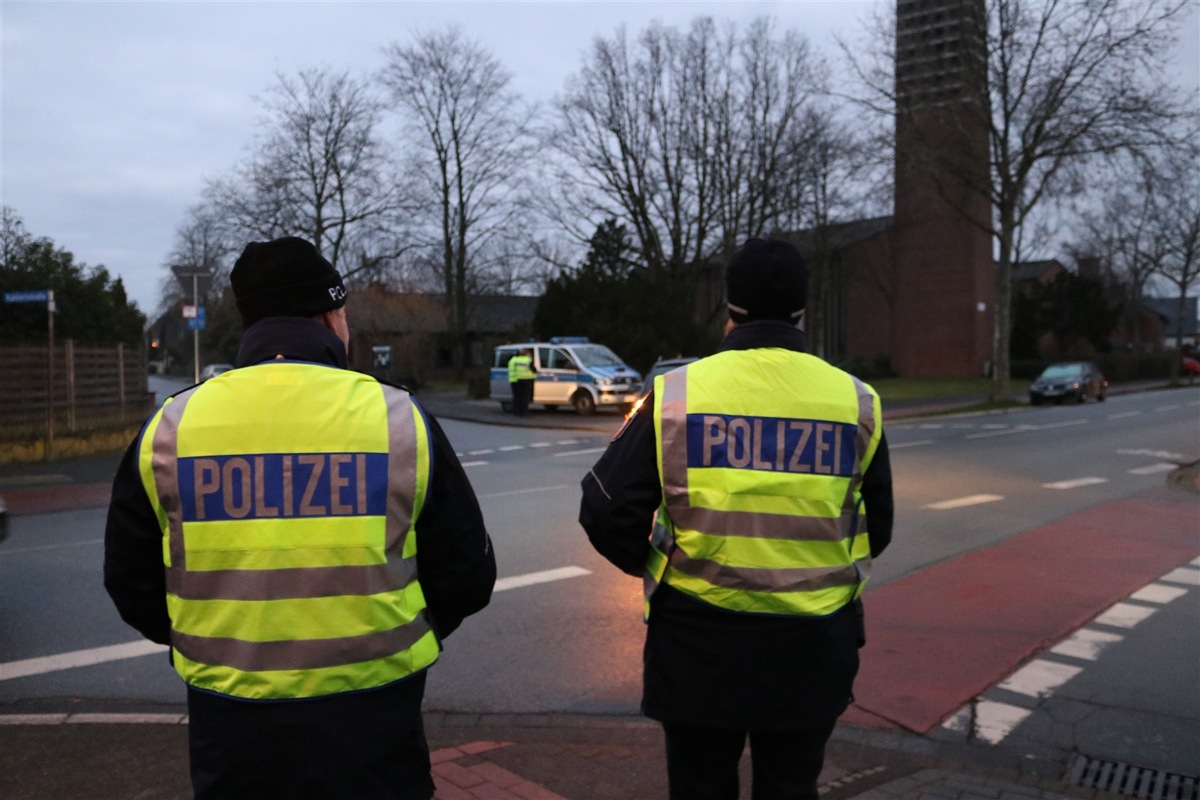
column 261, row 486
column 772, row 444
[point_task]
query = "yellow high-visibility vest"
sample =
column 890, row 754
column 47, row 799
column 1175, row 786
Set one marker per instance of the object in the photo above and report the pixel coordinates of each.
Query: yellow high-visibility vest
column 761, row 455
column 520, row 368
column 287, row 494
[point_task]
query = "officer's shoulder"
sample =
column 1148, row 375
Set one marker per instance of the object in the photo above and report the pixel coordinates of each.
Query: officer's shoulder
column 399, row 386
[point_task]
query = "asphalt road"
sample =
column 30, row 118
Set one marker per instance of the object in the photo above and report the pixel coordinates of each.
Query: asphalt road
column 564, row 631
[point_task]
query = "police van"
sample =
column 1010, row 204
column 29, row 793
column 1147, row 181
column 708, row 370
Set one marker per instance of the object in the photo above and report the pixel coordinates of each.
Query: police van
column 570, row 371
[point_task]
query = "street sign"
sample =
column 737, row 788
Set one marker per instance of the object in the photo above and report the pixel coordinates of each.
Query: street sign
column 189, row 312
column 196, row 321
column 27, row 297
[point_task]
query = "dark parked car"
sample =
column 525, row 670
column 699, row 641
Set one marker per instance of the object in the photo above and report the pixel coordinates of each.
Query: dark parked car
column 660, row 366
column 3, row 520
column 1070, row 380
column 213, row 370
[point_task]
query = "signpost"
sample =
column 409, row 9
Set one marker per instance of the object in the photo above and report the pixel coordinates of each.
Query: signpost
column 43, row 296
column 194, row 314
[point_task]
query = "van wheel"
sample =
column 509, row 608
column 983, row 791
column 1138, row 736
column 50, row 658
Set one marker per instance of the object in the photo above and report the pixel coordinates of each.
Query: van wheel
column 583, row 404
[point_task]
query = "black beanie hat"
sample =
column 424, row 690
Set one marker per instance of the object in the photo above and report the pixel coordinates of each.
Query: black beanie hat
column 284, row 278
column 766, row 279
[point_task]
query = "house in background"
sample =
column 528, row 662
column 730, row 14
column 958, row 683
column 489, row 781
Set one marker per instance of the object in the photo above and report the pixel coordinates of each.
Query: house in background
column 405, row 337
column 1167, row 311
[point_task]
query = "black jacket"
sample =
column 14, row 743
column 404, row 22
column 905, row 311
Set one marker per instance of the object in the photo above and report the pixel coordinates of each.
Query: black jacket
column 455, row 566
column 705, row 666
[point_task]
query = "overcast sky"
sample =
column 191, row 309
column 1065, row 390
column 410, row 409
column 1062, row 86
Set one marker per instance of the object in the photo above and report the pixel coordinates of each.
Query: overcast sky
column 115, row 113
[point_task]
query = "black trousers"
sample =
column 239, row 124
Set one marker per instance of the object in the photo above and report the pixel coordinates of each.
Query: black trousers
column 365, row 745
column 702, row 763
column 522, row 392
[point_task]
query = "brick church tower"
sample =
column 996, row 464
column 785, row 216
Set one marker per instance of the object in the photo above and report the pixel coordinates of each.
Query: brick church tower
column 944, row 284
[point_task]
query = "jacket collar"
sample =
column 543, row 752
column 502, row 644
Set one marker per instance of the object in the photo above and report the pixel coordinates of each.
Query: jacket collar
column 765, row 333
column 295, row 338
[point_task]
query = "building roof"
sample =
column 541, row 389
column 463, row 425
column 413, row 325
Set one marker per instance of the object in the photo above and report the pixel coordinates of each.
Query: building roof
column 1044, row 271
column 1168, row 309
column 380, row 310
column 843, row 234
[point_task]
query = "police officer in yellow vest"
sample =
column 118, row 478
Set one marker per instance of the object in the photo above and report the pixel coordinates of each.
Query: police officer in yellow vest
column 761, row 475
column 521, row 378
column 304, row 538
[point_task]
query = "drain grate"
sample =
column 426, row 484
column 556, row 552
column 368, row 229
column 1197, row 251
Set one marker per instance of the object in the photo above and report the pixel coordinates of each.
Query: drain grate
column 1131, row 781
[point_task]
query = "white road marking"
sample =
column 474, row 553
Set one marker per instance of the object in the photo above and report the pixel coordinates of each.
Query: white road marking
column 1124, row 615
column 1153, row 469
column 1066, row 424
column 917, row 443
column 524, row 491
column 1159, row 454
column 1005, row 432
column 994, row 721
column 568, row 441
column 32, row 480
column 541, row 444
column 1124, row 414
column 962, row 502
column 1075, row 483
column 480, row 452
column 1188, row 577
column 13, row 551
column 931, row 426
column 1039, row 677
column 1157, row 593
column 546, row 576
column 589, row 451
column 1168, row 408
column 1086, row 644
column 509, row 447
column 117, row 652
column 78, row 658
column 474, row 463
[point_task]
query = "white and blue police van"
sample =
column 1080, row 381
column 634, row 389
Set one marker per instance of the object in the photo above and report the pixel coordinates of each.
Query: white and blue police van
column 570, row 371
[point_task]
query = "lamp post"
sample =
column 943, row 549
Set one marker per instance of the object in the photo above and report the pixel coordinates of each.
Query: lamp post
column 197, row 277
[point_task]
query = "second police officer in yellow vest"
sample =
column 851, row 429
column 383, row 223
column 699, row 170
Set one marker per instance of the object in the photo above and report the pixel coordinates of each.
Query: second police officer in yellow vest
column 304, row 538
column 761, row 474
column 522, row 375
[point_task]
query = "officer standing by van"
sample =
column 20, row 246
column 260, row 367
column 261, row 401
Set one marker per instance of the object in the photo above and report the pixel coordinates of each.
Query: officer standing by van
column 305, row 539
column 521, row 377
column 761, row 474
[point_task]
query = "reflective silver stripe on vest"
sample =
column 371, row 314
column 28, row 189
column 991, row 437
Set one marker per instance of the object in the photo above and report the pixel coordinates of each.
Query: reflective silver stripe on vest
column 402, row 473
column 165, row 466
column 768, row 579
column 855, row 523
column 279, row 584
column 299, row 653
column 758, row 525
column 673, row 406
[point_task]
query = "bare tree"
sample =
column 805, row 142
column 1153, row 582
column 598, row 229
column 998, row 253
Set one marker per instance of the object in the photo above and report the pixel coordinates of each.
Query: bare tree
column 321, row 172
column 829, row 163
column 1176, row 193
column 472, row 136
column 683, row 136
column 1067, row 82
column 1123, row 232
